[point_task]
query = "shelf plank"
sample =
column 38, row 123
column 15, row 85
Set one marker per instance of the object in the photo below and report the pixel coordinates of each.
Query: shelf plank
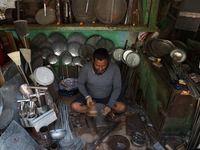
column 84, row 27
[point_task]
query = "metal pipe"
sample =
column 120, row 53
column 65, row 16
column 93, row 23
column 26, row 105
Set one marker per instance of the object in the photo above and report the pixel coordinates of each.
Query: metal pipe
column 37, row 87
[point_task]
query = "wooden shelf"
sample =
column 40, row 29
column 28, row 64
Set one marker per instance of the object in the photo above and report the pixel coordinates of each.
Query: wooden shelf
column 84, row 27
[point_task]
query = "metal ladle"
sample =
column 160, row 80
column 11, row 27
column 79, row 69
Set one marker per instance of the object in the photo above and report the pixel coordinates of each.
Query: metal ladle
column 58, row 133
column 66, row 59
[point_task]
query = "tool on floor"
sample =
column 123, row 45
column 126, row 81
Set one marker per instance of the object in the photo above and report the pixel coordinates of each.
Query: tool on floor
column 77, row 122
column 98, row 141
column 118, row 142
column 100, row 119
column 87, row 124
column 15, row 56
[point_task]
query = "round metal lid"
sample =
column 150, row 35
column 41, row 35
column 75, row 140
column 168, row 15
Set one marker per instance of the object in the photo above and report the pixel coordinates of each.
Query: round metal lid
column 39, row 38
column 66, row 59
column 125, row 53
column 73, row 48
column 86, row 50
column 162, row 47
column 43, row 76
column 110, row 12
column 107, row 44
column 83, row 10
column 133, row 59
column 59, row 47
column 46, row 51
column 56, row 37
column 77, row 37
column 117, row 54
column 48, row 19
column 79, row 61
column 93, row 40
column 52, row 59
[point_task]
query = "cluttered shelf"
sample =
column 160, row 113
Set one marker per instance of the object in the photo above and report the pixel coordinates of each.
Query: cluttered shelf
column 82, row 27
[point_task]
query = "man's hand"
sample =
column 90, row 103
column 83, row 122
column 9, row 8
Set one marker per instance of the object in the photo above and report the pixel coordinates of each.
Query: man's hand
column 89, row 101
column 106, row 110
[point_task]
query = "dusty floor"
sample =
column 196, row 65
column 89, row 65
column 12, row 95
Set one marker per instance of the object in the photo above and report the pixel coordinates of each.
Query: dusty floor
column 89, row 132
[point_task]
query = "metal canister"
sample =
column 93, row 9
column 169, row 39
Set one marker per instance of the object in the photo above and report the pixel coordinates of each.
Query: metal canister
column 54, row 146
column 44, row 133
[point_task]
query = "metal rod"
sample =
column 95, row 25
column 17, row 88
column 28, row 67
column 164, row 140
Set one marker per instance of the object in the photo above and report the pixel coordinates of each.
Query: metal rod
column 87, row 5
column 37, row 87
column 22, row 73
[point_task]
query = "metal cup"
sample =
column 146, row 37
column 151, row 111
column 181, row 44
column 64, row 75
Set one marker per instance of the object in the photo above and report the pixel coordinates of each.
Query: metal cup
column 44, row 133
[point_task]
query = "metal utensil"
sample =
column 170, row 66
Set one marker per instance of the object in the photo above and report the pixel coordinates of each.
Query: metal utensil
column 46, row 51
column 27, row 56
column 15, row 56
column 110, row 12
column 86, row 50
column 73, row 48
column 39, row 38
column 92, row 40
column 77, row 37
column 59, row 47
column 56, row 37
column 83, row 10
column 52, row 59
column 117, row 53
column 58, row 133
column 66, row 59
column 107, row 44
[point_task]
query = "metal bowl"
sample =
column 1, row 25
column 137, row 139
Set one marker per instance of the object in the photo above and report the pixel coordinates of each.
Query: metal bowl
column 178, row 55
column 57, row 134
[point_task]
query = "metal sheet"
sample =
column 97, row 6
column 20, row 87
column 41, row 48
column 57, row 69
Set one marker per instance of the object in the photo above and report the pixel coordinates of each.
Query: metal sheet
column 16, row 137
column 189, row 24
column 10, row 93
column 184, row 22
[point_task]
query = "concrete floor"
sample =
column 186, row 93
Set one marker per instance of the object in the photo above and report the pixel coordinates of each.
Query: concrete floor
column 89, row 132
